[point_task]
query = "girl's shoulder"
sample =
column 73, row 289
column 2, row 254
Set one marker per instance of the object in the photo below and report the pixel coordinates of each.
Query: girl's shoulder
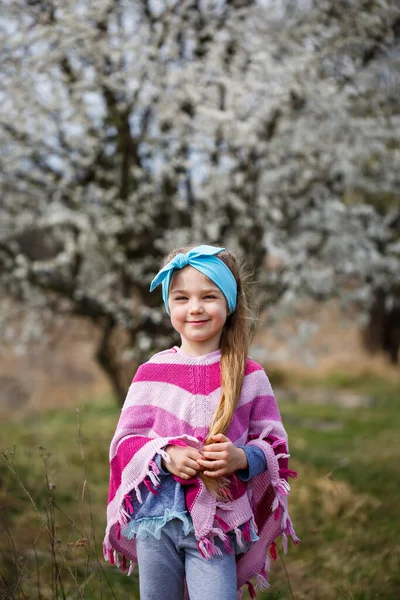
column 252, row 366
column 162, row 356
column 158, row 361
column 255, row 376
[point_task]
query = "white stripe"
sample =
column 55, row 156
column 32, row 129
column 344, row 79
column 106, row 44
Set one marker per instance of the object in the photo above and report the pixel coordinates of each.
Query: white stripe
column 167, row 357
column 165, row 395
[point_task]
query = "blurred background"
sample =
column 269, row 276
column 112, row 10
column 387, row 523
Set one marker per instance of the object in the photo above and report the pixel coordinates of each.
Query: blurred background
column 129, row 128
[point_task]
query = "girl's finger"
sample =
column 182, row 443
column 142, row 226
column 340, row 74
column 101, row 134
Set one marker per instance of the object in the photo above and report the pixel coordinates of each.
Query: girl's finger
column 211, row 464
column 215, row 447
column 212, row 455
column 195, row 454
column 220, row 437
column 215, row 474
column 190, row 472
column 192, row 464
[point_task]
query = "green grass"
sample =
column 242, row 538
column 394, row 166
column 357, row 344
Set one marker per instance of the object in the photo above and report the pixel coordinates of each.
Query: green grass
column 344, row 504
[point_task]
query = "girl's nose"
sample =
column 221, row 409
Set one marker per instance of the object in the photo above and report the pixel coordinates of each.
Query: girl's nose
column 196, row 307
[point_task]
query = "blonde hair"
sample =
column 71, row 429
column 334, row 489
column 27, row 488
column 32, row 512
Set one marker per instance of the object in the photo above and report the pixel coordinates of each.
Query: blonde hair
column 234, row 350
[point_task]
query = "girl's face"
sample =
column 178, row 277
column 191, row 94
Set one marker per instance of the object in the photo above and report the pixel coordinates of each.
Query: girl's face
column 198, row 311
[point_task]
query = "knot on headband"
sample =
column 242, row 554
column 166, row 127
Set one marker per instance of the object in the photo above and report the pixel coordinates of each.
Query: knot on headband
column 204, row 260
column 180, row 261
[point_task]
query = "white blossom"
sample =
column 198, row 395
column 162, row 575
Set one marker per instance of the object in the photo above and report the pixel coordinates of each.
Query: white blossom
column 129, row 128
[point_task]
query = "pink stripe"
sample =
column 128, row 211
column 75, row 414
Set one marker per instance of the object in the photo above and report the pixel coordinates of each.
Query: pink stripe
column 252, row 366
column 202, row 507
column 126, row 451
column 264, row 506
column 236, row 487
column 196, row 379
column 240, row 422
column 252, row 561
column 265, row 408
column 240, row 512
column 161, row 421
column 192, row 492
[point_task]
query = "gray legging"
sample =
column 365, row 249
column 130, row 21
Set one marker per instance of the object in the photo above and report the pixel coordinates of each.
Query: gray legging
column 164, row 563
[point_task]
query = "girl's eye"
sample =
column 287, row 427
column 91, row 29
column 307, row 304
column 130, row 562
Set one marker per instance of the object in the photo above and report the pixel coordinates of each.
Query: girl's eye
column 181, row 298
column 209, row 296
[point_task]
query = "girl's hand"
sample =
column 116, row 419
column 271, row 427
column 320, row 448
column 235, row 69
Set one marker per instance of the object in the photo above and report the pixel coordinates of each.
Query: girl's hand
column 184, row 461
column 222, row 458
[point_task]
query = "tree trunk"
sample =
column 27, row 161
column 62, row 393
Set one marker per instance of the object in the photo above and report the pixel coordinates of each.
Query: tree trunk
column 108, row 356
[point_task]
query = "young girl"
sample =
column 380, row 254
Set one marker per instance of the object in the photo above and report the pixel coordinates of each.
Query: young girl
column 198, row 483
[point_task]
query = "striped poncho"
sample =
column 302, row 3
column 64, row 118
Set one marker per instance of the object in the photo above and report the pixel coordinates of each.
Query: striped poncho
column 172, row 399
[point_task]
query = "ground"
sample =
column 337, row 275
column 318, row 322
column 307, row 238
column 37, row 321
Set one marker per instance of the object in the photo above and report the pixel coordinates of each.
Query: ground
column 341, row 413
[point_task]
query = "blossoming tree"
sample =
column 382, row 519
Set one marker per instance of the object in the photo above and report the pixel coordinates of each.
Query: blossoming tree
column 130, row 127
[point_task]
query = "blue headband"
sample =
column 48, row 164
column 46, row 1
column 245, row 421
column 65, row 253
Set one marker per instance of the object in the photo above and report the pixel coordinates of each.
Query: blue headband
column 201, row 258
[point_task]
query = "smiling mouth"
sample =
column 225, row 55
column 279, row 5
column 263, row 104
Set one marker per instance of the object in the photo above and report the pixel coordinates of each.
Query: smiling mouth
column 205, row 321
